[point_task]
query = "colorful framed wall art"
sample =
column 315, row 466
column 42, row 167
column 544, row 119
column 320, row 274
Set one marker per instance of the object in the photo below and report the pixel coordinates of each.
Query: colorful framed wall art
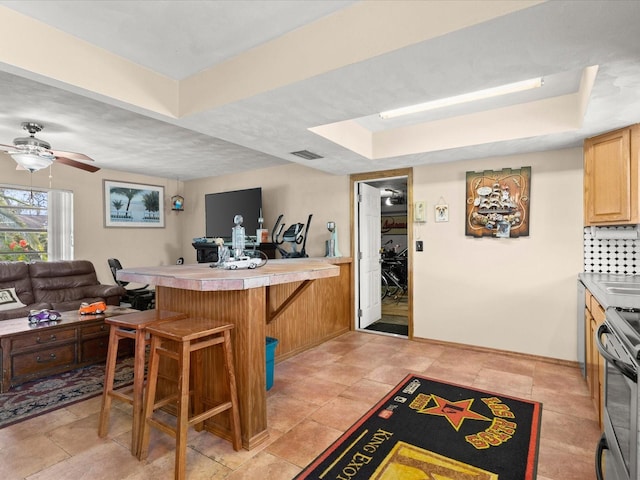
column 497, row 203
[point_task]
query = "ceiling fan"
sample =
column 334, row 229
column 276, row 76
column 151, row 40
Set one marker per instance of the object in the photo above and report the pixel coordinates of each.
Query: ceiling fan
column 31, row 153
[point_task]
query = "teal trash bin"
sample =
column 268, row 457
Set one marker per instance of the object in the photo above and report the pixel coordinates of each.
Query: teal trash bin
column 272, row 343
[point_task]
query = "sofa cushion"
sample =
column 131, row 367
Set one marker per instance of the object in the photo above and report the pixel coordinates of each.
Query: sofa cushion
column 9, row 299
column 16, row 275
column 64, row 284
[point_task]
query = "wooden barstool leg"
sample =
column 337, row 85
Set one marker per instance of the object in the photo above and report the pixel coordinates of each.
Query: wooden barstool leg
column 197, row 369
column 150, row 396
column 234, row 415
column 109, row 375
column 183, row 410
column 138, row 389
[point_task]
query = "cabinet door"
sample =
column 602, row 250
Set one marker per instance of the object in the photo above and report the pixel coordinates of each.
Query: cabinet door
column 601, row 367
column 598, row 362
column 610, row 195
column 589, row 346
column 593, row 364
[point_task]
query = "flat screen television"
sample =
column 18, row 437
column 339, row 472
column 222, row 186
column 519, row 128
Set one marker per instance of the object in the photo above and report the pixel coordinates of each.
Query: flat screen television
column 220, row 208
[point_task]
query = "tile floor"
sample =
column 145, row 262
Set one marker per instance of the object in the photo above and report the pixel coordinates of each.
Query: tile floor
column 316, row 396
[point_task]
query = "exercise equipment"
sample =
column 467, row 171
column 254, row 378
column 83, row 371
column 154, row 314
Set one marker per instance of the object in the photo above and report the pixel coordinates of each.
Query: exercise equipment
column 293, row 235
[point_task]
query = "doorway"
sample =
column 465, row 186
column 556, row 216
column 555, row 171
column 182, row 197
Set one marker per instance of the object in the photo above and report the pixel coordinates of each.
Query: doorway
column 382, row 263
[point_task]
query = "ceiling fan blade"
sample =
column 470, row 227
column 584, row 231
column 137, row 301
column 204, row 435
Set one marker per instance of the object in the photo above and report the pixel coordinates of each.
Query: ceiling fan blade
column 75, row 156
column 8, row 148
column 73, row 163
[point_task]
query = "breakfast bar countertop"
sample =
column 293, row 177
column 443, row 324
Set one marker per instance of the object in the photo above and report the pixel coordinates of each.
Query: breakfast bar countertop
column 202, row 277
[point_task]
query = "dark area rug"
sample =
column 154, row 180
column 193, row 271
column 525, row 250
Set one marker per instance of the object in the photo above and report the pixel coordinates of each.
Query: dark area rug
column 425, row 428
column 56, row 391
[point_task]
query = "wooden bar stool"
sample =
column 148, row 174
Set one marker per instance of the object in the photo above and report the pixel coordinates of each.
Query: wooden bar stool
column 132, row 326
column 177, row 340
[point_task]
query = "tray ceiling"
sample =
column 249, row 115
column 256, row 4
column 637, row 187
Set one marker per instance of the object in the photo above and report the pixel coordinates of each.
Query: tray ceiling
column 196, row 89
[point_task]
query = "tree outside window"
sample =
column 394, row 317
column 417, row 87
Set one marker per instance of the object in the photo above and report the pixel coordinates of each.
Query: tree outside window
column 24, row 216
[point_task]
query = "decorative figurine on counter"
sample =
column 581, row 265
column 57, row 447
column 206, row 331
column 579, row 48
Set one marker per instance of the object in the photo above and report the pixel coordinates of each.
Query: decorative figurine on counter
column 223, row 253
column 239, row 259
column 332, row 243
column 237, row 237
column 244, row 262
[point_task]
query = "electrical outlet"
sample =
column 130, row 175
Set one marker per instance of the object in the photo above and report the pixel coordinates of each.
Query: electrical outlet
column 419, row 246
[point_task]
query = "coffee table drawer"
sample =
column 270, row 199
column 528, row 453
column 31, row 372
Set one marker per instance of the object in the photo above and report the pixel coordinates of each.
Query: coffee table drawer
column 42, row 338
column 91, row 330
column 45, row 359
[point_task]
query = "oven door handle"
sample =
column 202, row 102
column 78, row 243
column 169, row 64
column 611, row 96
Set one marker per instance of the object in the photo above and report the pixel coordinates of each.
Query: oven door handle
column 624, row 368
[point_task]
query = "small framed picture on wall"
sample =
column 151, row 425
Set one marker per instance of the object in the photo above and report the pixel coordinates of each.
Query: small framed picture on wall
column 442, row 212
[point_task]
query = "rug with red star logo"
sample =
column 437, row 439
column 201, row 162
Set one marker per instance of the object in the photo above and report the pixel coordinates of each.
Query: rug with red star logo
column 428, row 429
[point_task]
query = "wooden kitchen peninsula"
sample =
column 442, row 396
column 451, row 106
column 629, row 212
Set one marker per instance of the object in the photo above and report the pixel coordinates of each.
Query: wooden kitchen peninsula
column 301, row 302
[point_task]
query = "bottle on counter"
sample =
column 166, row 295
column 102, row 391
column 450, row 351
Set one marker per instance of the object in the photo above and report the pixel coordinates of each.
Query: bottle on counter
column 237, row 237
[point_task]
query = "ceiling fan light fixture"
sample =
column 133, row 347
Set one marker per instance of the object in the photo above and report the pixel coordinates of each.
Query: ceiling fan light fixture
column 465, row 98
column 31, row 161
column 31, row 143
column 31, row 153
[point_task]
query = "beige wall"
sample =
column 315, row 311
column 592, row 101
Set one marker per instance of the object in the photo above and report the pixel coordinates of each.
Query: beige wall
column 511, row 294
column 514, row 294
column 292, row 190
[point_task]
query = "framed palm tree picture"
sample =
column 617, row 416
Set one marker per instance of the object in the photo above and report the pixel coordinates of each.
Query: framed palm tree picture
column 133, row 205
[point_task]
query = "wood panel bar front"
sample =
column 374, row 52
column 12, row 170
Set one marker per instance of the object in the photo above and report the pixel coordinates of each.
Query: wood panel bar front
column 323, row 312
column 246, row 310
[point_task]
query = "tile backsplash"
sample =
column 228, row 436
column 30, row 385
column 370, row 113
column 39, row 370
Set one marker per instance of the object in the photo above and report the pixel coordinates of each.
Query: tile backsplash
column 611, row 250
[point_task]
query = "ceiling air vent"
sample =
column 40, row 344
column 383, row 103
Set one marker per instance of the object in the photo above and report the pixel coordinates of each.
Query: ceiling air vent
column 307, row 155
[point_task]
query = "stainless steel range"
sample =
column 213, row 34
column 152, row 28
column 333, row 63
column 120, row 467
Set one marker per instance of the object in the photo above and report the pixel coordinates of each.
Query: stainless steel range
column 618, row 340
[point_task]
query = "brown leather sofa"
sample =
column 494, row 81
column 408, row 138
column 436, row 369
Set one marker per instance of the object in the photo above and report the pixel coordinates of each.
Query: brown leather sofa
column 60, row 285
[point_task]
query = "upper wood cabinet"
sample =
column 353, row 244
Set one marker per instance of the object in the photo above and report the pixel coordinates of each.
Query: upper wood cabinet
column 611, row 177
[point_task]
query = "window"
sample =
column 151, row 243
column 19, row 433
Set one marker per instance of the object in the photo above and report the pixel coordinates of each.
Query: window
column 35, row 224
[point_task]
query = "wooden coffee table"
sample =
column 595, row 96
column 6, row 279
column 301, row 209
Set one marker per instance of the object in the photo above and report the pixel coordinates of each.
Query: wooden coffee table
column 32, row 351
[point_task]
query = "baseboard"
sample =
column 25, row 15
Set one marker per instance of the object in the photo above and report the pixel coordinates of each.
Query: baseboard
column 526, row 356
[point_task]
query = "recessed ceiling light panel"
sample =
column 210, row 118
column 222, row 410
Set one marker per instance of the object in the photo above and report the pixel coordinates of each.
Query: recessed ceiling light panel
column 465, row 98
